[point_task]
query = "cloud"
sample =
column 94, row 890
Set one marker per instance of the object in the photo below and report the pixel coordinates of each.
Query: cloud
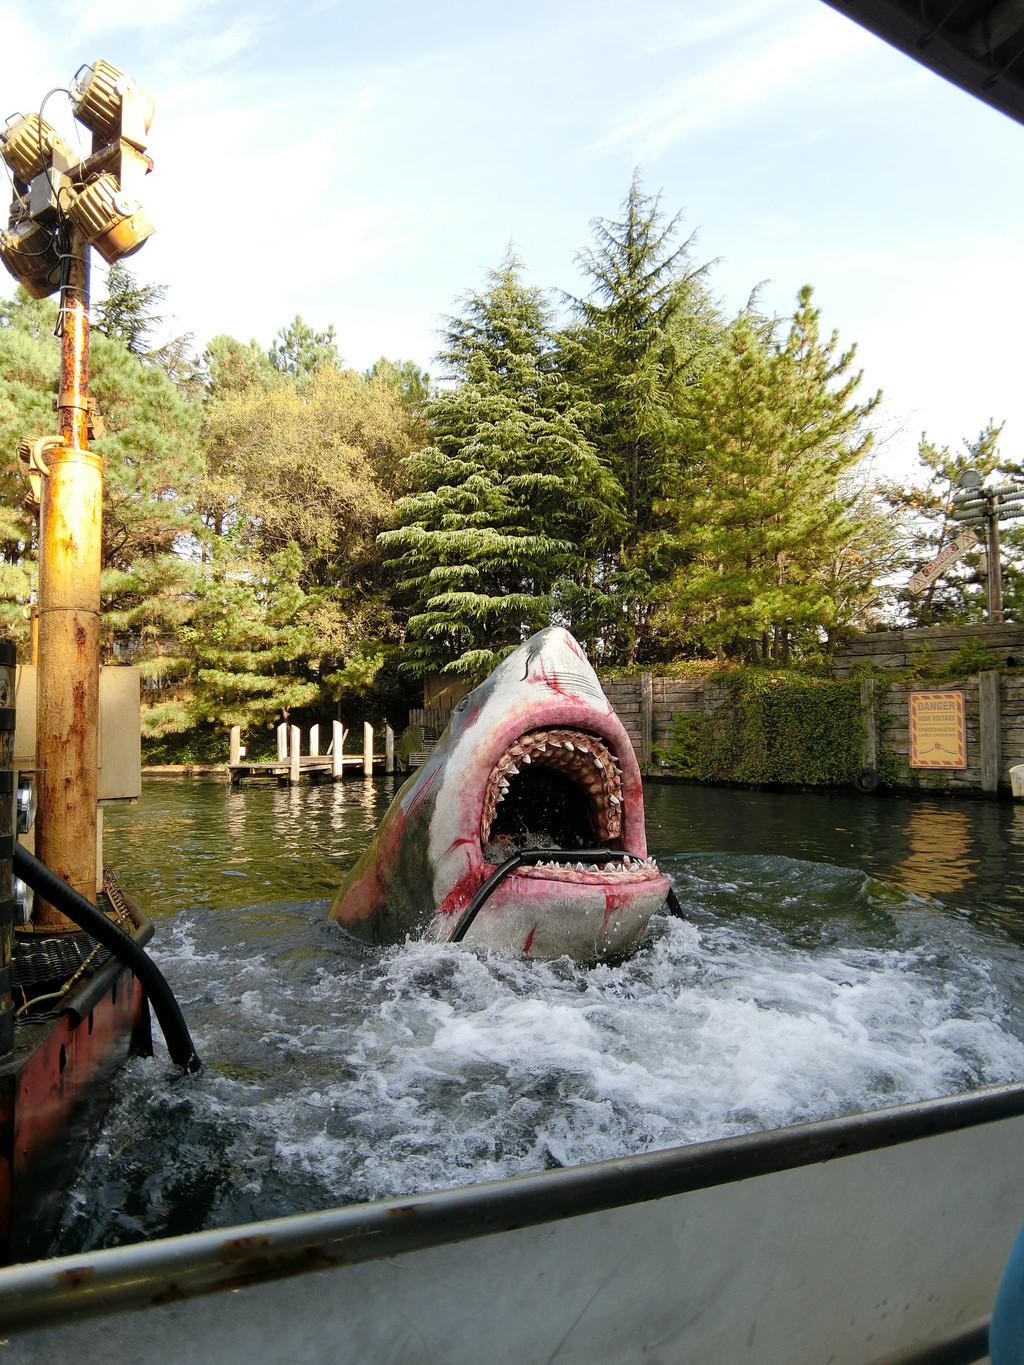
column 731, row 91
column 687, row 29
column 104, row 16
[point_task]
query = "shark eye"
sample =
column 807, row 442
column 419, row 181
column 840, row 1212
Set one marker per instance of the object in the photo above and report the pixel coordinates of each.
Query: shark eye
column 461, row 706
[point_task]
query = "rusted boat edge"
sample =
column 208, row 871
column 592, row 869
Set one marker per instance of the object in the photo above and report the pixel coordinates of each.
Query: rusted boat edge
column 51, row 1293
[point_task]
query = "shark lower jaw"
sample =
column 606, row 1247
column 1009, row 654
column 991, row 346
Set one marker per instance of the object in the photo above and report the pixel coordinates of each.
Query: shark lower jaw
column 560, row 788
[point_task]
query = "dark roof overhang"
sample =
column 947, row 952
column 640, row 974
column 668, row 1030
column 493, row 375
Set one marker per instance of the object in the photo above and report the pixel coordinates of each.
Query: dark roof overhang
column 976, row 44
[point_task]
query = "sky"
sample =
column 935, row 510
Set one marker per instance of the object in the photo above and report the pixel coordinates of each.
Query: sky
column 365, row 165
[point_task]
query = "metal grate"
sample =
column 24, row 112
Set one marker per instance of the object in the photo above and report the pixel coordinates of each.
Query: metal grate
column 43, row 960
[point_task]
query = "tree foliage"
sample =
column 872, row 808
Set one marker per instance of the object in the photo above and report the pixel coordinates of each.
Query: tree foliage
column 281, row 532
column 504, row 492
column 924, row 505
column 299, row 350
column 775, row 430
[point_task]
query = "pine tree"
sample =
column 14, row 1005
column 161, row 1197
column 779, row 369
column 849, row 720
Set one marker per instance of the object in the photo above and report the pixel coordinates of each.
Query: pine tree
column 640, row 340
column 923, row 508
column 775, row 430
column 300, row 351
column 126, row 314
column 505, row 491
column 232, row 367
column 29, row 364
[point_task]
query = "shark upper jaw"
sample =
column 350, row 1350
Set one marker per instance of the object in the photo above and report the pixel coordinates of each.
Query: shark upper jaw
column 538, row 759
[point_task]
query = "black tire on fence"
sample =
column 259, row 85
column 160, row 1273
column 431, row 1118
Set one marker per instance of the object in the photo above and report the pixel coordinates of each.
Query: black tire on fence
column 867, row 781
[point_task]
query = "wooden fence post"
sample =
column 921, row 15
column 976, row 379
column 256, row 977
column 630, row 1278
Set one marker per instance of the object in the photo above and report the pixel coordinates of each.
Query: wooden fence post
column 389, row 749
column 367, row 749
column 282, row 742
column 870, row 723
column 337, row 745
column 314, row 740
column 989, row 726
column 235, row 746
column 294, row 755
column 646, row 718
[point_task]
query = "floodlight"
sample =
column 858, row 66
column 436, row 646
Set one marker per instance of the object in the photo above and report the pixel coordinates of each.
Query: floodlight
column 110, row 220
column 28, row 251
column 970, row 478
column 28, row 144
column 111, row 104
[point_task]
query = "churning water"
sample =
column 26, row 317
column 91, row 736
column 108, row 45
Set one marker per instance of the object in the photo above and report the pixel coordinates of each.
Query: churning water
column 839, row 954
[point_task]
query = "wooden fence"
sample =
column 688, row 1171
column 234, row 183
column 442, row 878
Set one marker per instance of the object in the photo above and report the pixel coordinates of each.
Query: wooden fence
column 993, row 716
column 993, row 708
column 900, row 649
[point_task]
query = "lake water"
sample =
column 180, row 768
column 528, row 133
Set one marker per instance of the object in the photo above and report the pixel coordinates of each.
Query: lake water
column 840, row 953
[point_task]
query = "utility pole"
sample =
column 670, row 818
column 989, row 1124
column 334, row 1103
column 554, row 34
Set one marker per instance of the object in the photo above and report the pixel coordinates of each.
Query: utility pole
column 995, row 564
column 62, row 207
column 977, row 506
column 68, row 678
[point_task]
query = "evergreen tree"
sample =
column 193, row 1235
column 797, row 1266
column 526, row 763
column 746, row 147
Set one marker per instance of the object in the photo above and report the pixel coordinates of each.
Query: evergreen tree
column 152, row 459
column 29, row 365
column 232, row 367
column 640, row 341
column 775, row 430
column 505, row 491
column 299, row 350
column 126, row 314
column 403, row 376
column 923, row 507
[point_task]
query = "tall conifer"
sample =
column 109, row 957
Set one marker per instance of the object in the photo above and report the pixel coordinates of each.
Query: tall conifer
column 504, row 492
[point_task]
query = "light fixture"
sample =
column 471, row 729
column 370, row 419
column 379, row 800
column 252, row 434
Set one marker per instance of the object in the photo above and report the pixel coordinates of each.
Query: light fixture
column 28, row 251
column 111, row 104
column 28, row 145
column 24, row 902
column 110, row 220
column 26, row 803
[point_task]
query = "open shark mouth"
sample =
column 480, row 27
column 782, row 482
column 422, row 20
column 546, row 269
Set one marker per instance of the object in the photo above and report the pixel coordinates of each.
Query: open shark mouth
column 559, row 789
column 524, row 829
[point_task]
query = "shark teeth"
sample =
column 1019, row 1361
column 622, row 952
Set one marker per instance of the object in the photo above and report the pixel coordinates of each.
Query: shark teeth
column 591, row 874
column 583, row 758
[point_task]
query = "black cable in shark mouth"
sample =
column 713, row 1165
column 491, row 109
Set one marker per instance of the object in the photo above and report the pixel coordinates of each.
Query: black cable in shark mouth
column 535, row 762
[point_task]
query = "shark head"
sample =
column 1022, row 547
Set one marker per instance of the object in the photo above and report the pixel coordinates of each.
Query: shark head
column 533, row 759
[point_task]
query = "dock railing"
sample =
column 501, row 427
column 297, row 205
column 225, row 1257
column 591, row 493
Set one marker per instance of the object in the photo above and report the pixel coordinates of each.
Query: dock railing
column 292, row 764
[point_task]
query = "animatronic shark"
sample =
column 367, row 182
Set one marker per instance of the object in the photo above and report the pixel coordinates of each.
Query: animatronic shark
column 524, row 830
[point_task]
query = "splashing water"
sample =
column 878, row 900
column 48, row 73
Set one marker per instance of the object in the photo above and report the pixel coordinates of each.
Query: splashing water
column 337, row 1073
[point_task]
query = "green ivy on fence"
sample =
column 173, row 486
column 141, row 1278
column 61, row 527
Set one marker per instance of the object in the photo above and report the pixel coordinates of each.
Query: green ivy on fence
column 772, row 728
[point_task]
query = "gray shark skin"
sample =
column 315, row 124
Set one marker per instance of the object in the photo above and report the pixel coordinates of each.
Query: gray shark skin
column 534, row 757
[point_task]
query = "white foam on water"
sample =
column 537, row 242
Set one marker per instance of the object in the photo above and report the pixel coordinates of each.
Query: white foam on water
column 336, row 1074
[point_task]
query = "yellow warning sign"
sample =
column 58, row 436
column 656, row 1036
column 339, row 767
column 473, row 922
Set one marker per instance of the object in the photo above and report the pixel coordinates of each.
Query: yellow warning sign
column 937, row 730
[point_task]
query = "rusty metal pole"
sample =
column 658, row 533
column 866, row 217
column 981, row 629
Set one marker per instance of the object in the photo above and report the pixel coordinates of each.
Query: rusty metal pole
column 67, row 707
column 995, row 567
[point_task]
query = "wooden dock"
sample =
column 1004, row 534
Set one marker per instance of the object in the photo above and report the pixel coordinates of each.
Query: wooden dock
column 292, row 765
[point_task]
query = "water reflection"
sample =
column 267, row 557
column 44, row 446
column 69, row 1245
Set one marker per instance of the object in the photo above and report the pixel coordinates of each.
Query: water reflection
column 193, row 842
column 967, row 853
column 940, row 852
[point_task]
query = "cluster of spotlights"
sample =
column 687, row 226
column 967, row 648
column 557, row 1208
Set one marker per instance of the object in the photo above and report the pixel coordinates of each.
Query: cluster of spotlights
column 53, row 187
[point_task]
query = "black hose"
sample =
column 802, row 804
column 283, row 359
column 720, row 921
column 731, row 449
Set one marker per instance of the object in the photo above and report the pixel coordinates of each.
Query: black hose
column 66, row 899
column 538, row 855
